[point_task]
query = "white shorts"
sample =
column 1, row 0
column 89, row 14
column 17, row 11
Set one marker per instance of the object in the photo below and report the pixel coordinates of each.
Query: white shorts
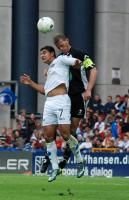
column 57, row 110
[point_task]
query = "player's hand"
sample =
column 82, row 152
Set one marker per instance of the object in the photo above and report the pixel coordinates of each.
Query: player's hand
column 86, row 95
column 25, row 79
column 77, row 63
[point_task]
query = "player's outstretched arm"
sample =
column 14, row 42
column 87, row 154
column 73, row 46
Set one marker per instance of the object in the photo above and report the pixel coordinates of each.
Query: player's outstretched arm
column 77, row 63
column 70, row 61
column 25, row 79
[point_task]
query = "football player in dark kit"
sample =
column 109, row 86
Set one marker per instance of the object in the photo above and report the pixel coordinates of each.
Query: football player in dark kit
column 81, row 84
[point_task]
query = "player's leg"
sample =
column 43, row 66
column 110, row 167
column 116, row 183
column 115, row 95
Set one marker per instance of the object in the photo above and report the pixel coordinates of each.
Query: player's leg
column 50, row 131
column 73, row 144
column 64, row 127
column 50, row 126
column 77, row 113
column 45, row 163
column 67, row 151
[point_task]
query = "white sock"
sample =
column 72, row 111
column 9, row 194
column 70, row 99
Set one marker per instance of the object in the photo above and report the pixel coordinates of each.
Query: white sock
column 52, row 154
column 73, row 143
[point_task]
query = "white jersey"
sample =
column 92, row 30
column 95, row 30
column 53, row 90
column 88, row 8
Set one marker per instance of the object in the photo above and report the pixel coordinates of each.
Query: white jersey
column 58, row 72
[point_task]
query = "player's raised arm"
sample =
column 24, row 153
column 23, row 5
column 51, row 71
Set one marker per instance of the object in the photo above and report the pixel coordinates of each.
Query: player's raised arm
column 70, row 61
column 25, row 79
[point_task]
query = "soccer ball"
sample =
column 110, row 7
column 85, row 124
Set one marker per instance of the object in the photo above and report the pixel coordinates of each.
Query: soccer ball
column 45, row 24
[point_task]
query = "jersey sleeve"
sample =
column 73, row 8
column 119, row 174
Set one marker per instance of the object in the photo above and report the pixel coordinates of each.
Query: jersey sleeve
column 67, row 60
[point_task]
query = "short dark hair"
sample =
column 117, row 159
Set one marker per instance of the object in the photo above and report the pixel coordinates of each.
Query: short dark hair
column 49, row 48
column 58, row 37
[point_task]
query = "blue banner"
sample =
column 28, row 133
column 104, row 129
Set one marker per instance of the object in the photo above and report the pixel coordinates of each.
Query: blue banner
column 7, row 97
column 96, row 164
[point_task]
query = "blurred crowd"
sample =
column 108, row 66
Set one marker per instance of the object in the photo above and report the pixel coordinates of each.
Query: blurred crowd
column 105, row 126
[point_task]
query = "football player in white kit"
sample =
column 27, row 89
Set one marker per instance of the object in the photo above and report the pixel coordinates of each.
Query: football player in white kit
column 57, row 106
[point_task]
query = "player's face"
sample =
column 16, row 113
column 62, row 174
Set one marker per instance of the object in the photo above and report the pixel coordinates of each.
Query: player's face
column 46, row 56
column 63, row 46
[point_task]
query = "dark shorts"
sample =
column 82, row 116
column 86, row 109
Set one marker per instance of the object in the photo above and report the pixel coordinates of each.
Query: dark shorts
column 77, row 106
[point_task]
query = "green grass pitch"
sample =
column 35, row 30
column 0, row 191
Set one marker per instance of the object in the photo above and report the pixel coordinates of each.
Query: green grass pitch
column 29, row 187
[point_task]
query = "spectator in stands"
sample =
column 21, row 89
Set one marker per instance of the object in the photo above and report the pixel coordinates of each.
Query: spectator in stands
column 38, row 125
column 31, row 125
column 113, row 113
column 86, row 145
column 22, row 119
column 37, row 140
column 89, row 118
column 95, row 104
column 3, row 137
column 126, row 98
column 95, row 118
column 109, row 105
column 100, row 124
column 120, row 104
column 80, row 131
column 108, row 120
column 126, row 143
column 119, row 143
column 9, row 137
column 32, row 122
column 107, row 142
column 117, row 102
column 97, row 139
column 116, row 126
column 126, row 116
column 123, row 104
column 111, row 143
column 88, row 132
column 126, row 121
column 18, row 142
column 6, row 137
